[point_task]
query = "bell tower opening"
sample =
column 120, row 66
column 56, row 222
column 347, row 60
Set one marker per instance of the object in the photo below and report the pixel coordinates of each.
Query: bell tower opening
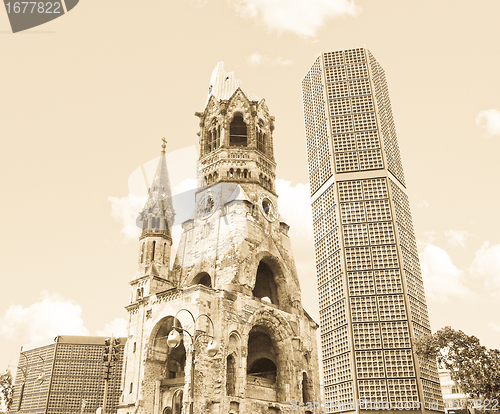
column 261, row 360
column 265, row 285
column 238, row 132
column 203, row 279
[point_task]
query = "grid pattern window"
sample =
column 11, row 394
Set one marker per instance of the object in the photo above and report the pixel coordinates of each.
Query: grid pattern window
column 360, row 283
column 356, row 142
column 395, row 334
column 402, row 391
column 315, row 119
column 372, row 391
column 399, row 363
column 370, row 260
column 364, row 309
column 432, row 393
column 34, row 363
column 391, row 307
column 340, row 397
column 370, row 364
column 428, row 369
column 387, row 126
column 388, row 281
column 342, row 367
column 75, row 372
column 341, row 340
column 366, row 336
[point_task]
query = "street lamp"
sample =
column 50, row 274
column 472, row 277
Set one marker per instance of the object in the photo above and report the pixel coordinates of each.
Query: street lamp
column 40, row 379
column 174, row 339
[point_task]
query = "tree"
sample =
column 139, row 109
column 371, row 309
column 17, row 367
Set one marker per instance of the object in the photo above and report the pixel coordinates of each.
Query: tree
column 473, row 367
column 6, row 388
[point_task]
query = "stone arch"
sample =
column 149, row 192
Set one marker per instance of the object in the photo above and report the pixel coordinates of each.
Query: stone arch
column 269, row 323
column 202, row 278
column 238, row 131
column 233, row 364
column 162, row 363
column 307, row 389
column 177, row 401
column 270, row 279
column 170, row 362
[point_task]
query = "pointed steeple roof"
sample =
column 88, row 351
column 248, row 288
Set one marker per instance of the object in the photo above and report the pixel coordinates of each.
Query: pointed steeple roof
column 159, row 202
column 223, row 85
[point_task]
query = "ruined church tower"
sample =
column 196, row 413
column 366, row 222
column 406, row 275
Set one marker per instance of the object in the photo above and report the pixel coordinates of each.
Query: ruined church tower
column 234, row 279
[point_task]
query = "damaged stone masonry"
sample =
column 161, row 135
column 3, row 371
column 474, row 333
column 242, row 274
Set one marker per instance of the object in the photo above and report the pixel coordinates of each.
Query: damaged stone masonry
column 234, row 263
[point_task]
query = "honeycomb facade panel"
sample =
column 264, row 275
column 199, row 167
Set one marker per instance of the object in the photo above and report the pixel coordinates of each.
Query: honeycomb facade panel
column 74, row 371
column 371, row 256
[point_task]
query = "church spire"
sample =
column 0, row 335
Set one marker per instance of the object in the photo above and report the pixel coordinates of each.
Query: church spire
column 157, row 218
column 158, row 213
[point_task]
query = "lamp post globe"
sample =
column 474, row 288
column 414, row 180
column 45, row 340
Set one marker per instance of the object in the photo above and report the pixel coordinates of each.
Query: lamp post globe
column 173, row 339
column 212, row 348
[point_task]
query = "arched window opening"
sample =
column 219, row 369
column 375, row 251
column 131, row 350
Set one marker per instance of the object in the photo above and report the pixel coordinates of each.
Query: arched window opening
column 306, row 389
column 177, row 402
column 153, row 250
column 172, row 360
column 261, row 137
column 230, row 375
column 245, row 173
column 265, row 284
column 164, row 252
column 213, row 136
column 203, row 279
column 262, row 359
column 264, row 368
column 238, row 173
column 167, row 410
column 238, row 132
column 231, row 173
column 135, row 347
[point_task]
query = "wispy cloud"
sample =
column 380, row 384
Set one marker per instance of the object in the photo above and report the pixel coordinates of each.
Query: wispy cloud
column 256, row 59
column 52, row 315
column 489, row 119
column 486, row 264
column 301, row 17
column 295, row 208
column 457, row 237
column 442, row 279
column 423, row 204
column 125, row 211
column 117, row 327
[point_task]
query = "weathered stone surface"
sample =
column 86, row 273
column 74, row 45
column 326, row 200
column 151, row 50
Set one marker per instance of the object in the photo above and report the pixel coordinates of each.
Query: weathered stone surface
column 234, row 264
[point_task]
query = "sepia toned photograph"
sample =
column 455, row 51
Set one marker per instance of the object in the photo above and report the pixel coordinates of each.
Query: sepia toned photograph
column 250, row 206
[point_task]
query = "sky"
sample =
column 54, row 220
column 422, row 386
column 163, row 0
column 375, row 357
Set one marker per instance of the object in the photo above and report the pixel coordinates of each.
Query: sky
column 86, row 99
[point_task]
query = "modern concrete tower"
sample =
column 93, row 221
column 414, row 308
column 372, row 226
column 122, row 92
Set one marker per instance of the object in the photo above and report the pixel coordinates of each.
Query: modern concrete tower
column 372, row 300
column 233, row 279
